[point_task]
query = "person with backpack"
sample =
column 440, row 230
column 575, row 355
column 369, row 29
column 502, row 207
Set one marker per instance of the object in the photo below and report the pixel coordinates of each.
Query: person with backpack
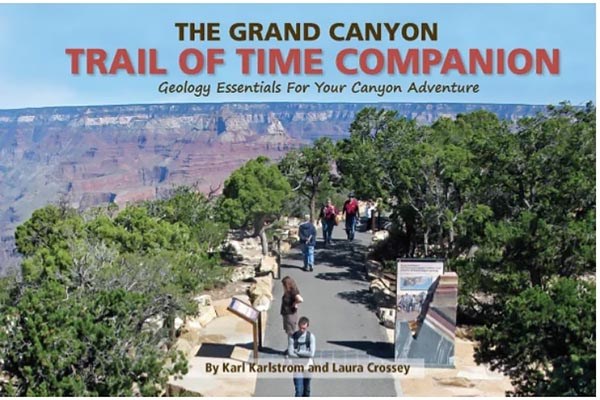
column 302, row 345
column 350, row 210
column 328, row 217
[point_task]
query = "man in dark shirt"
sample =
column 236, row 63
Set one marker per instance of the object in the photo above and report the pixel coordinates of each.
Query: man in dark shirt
column 308, row 238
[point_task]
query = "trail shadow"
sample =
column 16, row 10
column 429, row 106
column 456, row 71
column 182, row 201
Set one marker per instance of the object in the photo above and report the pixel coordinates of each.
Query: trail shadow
column 216, row 350
column 294, row 256
column 247, row 346
column 375, row 349
column 226, row 350
column 320, row 245
column 263, row 350
column 291, row 266
column 364, row 297
column 345, row 244
column 342, row 257
column 268, row 350
column 338, row 276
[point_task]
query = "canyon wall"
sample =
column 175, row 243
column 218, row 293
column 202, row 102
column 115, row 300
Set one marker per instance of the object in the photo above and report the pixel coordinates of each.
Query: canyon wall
column 127, row 153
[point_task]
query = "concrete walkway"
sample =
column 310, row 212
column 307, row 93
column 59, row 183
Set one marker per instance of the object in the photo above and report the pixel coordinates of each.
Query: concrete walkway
column 342, row 317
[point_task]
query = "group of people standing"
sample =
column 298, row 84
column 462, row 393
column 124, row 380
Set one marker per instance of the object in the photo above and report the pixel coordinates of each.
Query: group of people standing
column 330, row 217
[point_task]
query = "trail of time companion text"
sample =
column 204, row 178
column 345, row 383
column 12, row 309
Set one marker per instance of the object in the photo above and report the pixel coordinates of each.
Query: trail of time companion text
column 316, row 87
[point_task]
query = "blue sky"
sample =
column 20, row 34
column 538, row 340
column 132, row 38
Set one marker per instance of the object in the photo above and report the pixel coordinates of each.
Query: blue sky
column 35, row 72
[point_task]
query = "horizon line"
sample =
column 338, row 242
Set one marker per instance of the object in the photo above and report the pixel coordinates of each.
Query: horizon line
column 289, row 102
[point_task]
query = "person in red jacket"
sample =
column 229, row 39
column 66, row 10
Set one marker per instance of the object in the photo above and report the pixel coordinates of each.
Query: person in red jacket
column 328, row 218
column 350, row 210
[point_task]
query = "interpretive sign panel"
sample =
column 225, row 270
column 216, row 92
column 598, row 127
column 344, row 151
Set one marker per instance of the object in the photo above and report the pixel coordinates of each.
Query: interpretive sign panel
column 415, row 277
column 425, row 313
column 244, row 310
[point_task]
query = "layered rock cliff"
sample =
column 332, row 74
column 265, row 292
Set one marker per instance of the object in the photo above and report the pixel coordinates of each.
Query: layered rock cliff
column 129, row 153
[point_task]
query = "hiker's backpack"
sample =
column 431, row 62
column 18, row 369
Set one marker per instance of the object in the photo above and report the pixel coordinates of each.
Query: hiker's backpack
column 297, row 343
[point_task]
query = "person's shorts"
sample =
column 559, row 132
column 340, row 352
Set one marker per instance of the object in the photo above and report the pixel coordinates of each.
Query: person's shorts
column 290, row 322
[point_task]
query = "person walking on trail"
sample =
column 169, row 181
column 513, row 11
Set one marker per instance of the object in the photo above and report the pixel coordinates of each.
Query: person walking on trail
column 308, row 238
column 371, row 209
column 301, row 347
column 328, row 216
column 289, row 305
column 323, row 220
column 350, row 210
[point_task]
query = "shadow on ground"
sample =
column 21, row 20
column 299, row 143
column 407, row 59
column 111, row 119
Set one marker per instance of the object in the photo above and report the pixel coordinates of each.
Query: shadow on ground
column 343, row 254
column 216, row 350
column 375, row 349
column 338, row 276
column 291, row 266
column 269, row 350
column 363, row 296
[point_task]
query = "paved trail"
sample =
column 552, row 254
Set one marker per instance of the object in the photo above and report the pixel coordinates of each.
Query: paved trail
column 339, row 305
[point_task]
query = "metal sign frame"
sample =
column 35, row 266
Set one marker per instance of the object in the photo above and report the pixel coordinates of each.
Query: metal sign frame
column 249, row 314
